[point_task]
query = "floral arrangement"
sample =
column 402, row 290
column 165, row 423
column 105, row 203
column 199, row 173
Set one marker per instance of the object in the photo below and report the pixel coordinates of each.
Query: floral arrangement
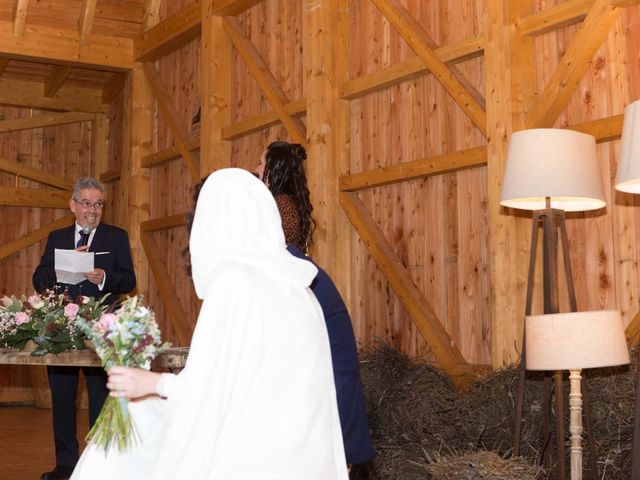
column 129, row 337
column 49, row 319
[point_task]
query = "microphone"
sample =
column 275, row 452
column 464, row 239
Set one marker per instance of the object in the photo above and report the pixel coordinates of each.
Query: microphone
column 84, row 235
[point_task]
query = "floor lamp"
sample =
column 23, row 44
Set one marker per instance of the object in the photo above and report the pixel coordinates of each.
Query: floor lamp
column 550, row 172
column 628, row 180
column 575, row 341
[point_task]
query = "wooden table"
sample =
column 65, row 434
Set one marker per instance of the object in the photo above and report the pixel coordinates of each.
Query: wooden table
column 172, row 358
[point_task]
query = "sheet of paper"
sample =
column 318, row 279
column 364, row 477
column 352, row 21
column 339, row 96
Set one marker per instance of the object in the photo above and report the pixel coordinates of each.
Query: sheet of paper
column 70, row 265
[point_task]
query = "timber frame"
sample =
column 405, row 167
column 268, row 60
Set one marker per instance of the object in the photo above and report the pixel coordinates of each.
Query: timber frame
column 510, row 105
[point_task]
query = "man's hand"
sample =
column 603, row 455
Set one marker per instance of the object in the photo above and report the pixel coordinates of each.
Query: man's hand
column 95, row 276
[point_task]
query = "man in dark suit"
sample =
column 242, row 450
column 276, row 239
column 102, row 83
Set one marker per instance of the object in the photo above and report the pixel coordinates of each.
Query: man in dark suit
column 112, row 274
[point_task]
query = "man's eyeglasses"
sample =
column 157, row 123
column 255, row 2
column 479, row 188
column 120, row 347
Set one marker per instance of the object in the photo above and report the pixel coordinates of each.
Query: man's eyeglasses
column 87, row 204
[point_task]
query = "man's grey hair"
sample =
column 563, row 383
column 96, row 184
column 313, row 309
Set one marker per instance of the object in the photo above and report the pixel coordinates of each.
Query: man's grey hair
column 86, row 182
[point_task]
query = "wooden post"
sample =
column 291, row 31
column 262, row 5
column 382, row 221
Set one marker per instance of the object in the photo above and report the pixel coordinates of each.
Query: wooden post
column 215, row 114
column 133, row 207
column 326, row 34
column 510, row 84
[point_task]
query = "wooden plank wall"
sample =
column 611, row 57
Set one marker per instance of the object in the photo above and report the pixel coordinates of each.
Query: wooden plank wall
column 64, row 151
column 436, row 225
column 170, row 184
column 275, row 29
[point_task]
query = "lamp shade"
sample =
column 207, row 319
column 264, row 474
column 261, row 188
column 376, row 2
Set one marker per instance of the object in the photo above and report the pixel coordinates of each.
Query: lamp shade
column 628, row 175
column 556, row 163
column 576, row 340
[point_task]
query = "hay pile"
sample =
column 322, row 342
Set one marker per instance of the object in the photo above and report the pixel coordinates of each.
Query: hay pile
column 423, row 427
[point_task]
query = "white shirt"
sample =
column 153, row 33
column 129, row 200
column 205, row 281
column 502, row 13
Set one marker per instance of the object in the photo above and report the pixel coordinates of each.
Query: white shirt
column 76, row 238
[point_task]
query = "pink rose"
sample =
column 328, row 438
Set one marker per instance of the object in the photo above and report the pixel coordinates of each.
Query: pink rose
column 33, row 299
column 106, row 320
column 71, row 310
column 6, row 302
column 21, row 318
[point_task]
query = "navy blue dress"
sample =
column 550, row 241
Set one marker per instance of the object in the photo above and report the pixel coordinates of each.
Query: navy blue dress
column 346, row 368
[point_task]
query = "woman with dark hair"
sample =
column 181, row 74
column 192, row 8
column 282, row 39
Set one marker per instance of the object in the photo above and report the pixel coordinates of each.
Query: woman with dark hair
column 281, row 169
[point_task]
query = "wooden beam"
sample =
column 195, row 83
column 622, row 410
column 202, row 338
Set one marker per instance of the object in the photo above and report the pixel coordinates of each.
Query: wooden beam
column 326, row 60
column 34, row 197
column 232, row 7
column 262, row 121
column 216, row 91
column 35, row 236
column 574, row 63
column 604, row 129
column 402, row 172
column 462, row 92
column 169, row 35
column 422, row 314
column 23, row 93
column 35, row 174
column 163, row 223
column 510, row 85
column 4, row 63
column 134, row 189
column 110, row 176
column 20, row 18
column 632, row 332
column 166, row 289
column 41, row 121
column 264, row 78
column 56, row 79
column 168, row 154
column 99, row 144
column 559, row 16
column 151, row 13
column 554, row 18
column 168, row 109
column 46, row 44
column 85, row 23
column 412, row 68
column 113, row 88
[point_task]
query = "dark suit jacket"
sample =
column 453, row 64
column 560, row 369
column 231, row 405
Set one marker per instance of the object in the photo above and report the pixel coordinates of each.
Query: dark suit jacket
column 117, row 263
column 346, row 367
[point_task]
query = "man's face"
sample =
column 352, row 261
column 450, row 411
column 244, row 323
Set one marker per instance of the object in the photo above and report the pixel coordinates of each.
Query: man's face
column 87, row 207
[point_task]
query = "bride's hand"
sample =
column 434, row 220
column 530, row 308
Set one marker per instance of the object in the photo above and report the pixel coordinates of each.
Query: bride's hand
column 131, row 382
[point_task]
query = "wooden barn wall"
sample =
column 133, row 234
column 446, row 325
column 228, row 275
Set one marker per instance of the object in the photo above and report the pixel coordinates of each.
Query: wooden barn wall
column 439, row 225
column 603, row 244
column 117, row 124
column 63, row 151
column 171, row 186
column 275, row 29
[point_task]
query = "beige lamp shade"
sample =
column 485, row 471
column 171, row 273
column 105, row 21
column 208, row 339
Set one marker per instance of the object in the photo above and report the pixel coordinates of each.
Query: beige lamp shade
column 628, row 174
column 556, row 163
column 576, row 340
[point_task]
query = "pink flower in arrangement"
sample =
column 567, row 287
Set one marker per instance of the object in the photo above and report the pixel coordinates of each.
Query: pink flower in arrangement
column 21, row 318
column 71, row 310
column 33, row 299
column 6, row 301
column 106, row 320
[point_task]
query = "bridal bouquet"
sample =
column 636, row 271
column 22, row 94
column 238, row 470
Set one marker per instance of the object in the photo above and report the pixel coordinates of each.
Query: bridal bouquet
column 129, row 337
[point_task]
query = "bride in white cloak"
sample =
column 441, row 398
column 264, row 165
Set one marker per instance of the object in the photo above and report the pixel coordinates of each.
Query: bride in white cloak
column 256, row 399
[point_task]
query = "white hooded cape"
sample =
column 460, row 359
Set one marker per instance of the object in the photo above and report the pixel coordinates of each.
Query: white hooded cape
column 256, row 399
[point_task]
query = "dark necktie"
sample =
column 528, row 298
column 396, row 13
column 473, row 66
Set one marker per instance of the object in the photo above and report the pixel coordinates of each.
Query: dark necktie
column 82, row 241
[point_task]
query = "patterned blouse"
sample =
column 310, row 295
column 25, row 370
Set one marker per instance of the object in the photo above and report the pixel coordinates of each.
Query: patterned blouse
column 290, row 219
